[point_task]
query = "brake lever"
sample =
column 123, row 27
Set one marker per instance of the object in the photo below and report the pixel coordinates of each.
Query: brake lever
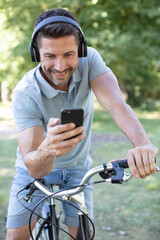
column 127, row 176
column 32, row 187
column 118, row 175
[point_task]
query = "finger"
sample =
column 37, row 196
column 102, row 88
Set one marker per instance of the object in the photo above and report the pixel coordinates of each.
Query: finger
column 64, row 150
column 132, row 165
column 146, row 163
column 149, row 159
column 152, row 162
column 62, row 133
column 156, row 151
column 73, row 133
column 73, row 141
column 76, row 139
column 61, row 148
column 139, row 162
column 54, row 129
column 64, row 128
column 53, row 122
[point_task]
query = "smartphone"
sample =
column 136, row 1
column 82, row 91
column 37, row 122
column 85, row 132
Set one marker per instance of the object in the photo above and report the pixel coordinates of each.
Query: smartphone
column 72, row 115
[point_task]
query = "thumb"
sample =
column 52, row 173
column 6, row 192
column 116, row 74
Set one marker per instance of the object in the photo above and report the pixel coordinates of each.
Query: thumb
column 53, row 121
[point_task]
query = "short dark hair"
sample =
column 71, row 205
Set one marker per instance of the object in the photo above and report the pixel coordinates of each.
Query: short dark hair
column 58, row 29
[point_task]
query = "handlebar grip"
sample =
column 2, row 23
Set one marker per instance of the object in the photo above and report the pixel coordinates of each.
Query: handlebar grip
column 123, row 163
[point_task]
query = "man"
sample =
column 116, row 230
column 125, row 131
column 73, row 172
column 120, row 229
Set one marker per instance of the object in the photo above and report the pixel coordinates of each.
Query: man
column 67, row 76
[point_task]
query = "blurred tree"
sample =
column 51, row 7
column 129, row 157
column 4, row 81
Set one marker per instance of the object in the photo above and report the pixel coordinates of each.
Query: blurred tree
column 126, row 33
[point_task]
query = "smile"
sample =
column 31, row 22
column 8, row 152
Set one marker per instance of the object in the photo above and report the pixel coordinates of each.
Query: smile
column 59, row 74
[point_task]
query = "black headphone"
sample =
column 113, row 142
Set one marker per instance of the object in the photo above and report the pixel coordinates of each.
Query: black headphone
column 82, row 49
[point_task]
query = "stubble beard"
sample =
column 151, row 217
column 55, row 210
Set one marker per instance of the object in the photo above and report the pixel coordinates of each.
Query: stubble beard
column 59, row 82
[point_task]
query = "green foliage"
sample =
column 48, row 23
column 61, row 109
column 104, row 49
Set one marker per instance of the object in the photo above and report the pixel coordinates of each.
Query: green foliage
column 126, row 33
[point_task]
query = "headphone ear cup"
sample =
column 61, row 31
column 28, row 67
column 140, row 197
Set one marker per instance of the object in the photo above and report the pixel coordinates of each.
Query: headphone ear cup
column 34, row 53
column 82, row 50
column 85, row 49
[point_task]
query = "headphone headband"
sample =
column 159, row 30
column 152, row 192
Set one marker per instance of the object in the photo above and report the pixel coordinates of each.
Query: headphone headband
column 54, row 20
column 82, row 52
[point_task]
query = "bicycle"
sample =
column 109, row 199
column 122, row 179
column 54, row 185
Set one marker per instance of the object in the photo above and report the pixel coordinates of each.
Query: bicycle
column 49, row 222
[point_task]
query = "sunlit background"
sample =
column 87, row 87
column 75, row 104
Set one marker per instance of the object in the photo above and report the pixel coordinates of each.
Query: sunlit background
column 126, row 33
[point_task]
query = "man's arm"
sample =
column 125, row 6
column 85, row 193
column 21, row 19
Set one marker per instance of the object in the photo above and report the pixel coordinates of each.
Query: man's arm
column 141, row 158
column 39, row 153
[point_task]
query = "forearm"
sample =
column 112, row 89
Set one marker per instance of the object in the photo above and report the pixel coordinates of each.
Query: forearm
column 39, row 162
column 109, row 95
column 129, row 124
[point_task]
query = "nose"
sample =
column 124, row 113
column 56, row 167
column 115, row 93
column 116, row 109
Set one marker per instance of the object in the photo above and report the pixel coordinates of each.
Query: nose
column 60, row 64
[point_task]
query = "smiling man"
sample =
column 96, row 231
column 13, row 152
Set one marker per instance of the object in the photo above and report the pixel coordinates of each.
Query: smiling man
column 67, row 76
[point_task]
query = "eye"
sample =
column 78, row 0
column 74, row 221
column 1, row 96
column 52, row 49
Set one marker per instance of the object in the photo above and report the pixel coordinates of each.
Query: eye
column 49, row 56
column 70, row 54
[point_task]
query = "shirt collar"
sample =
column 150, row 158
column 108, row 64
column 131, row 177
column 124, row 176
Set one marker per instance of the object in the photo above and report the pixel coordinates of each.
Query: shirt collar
column 46, row 88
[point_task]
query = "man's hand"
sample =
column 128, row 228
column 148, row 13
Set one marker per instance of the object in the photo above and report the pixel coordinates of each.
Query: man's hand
column 57, row 139
column 39, row 154
column 141, row 160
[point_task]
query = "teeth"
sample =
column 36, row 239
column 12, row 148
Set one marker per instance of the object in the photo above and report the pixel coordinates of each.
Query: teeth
column 59, row 74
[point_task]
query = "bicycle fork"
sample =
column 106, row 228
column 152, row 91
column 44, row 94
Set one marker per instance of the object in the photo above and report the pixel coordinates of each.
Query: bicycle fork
column 54, row 220
column 83, row 232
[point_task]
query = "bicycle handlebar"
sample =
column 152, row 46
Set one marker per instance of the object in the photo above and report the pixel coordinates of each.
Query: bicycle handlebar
column 112, row 172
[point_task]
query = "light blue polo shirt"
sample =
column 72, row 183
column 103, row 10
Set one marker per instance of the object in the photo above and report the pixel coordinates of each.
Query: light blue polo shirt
column 35, row 101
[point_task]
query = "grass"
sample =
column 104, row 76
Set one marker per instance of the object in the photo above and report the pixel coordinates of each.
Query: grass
column 129, row 211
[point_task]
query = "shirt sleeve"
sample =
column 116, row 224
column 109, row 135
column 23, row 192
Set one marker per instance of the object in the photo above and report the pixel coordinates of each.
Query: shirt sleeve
column 96, row 64
column 25, row 111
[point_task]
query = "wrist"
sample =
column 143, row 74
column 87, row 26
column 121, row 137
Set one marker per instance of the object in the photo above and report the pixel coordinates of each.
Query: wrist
column 142, row 144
